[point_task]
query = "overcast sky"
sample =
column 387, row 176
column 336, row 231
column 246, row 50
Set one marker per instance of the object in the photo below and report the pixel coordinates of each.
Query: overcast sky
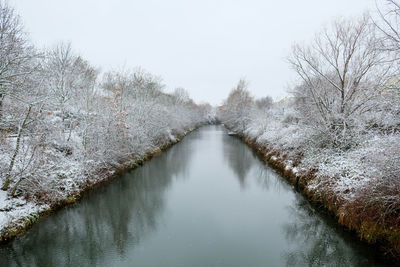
column 205, row 46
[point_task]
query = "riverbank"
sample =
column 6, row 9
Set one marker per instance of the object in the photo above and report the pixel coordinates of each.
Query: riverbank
column 17, row 214
column 309, row 182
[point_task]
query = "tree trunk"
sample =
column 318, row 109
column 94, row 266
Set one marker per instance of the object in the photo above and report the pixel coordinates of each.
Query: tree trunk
column 1, row 106
column 22, row 126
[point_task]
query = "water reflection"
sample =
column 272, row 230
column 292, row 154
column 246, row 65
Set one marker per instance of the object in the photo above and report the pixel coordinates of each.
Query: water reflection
column 244, row 163
column 109, row 220
column 268, row 179
column 239, row 157
column 318, row 241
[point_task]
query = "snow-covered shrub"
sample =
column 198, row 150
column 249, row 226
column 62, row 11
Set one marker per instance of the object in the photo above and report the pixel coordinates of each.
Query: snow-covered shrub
column 380, row 197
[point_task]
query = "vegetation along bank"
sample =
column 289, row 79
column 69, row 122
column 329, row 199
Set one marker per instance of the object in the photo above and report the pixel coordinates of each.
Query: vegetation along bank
column 337, row 136
column 65, row 126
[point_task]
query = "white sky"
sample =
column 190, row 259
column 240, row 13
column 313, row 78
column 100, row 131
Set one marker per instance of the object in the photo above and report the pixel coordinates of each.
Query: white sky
column 205, row 46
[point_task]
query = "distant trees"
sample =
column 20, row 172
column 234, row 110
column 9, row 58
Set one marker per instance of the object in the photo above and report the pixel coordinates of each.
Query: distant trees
column 238, row 107
column 181, row 95
column 264, row 103
column 209, row 112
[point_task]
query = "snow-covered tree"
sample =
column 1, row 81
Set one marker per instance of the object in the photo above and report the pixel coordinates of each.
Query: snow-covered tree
column 342, row 73
column 238, row 108
column 17, row 56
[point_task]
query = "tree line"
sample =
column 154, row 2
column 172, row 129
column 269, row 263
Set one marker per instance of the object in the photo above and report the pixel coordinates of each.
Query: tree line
column 64, row 123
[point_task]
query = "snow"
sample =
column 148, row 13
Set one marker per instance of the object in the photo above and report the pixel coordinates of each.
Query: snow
column 289, row 166
column 14, row 210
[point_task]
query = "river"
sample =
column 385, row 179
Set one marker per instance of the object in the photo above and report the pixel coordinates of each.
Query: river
column 206, row 201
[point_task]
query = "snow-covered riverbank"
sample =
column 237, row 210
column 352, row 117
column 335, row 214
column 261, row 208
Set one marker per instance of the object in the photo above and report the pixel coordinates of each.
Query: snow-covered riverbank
column 17, row 214
column 354, row 174
column 347, row 184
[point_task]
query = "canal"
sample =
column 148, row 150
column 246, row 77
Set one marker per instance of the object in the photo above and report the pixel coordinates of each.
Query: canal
column 206, row 201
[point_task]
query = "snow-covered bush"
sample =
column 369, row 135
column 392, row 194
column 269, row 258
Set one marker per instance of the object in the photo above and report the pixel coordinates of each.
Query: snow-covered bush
column 380, row 197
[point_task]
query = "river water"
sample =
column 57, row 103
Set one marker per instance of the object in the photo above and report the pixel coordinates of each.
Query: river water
column 207, row 201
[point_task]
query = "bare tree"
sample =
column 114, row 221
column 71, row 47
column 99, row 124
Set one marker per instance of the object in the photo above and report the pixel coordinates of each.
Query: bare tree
column 16, row 151
column 61, row 74
column 389, row 23
column 68, row 78
column 342, row 72
column 16, row 55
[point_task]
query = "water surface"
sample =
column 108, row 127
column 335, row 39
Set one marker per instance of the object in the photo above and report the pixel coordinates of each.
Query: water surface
column 207, row 201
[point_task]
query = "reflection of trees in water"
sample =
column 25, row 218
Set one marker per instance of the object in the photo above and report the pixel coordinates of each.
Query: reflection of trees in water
column 266, row 178
column 110, row 220
column 320, row 242
column 240, row 158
